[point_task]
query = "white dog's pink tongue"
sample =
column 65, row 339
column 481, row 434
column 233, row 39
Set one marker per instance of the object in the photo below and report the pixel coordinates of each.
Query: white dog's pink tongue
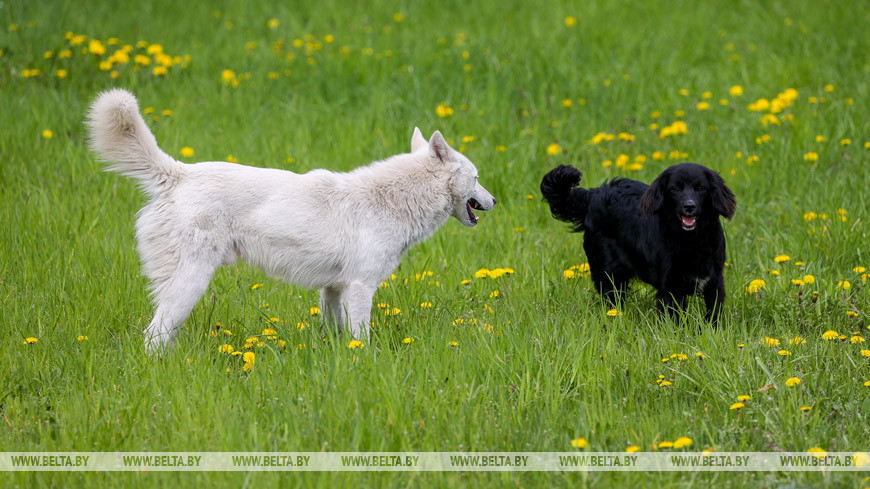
column 688, row 221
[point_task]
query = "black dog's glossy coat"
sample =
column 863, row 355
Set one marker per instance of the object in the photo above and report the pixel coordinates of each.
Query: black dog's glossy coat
column 667, row 234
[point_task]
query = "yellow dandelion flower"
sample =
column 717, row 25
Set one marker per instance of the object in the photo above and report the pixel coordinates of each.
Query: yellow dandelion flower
column 743, row 398
column 856, row 339
column 273, row 23
column 613, row 312
column 666, row 444
column 60, row 73
column 665, row 383
column 249, row 357
column 453, row 343
column 355, row 344
column 811, row 156
column 314, row 310
column 755, row 286
column 632, row 449
column 830, row 335
column 768, row 341
column 865, row 353
column 806, row 408
column 465, row 282
column 736, row 91
column 554, row 149
column 579, row 442
column 702, row 105
column 426, row 305
column 700, row 355
column 187, row 151
column 845, row 142
column 82, row 338
column 736, row 405
column 793, row 381
column 30, row 340
column 228, row 349
column 844, row 284
column 797, row 340
column 47, row 134
column 783, row 353
column 781, row 258
column 247, row 367
column 818, row 452
column 96, row 47
column 570, row 21
column 443, row 111
column 408, row 340
column 809, row 279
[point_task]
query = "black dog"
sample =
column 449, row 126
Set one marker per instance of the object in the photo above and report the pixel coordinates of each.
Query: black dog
column 668, row 233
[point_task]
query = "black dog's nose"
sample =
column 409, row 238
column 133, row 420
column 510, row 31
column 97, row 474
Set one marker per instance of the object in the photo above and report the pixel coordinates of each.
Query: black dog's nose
column 494, row 201
column 689, row 207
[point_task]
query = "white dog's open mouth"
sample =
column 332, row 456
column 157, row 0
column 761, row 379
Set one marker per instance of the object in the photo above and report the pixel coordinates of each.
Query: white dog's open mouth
column 473, row 204
column 688, row 222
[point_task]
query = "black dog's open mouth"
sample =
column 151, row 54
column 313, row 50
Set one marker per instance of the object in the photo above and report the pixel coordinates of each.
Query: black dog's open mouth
column 688, row 222
column 473, row 204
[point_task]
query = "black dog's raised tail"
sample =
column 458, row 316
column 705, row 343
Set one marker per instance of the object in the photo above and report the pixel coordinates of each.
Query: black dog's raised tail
column 568, row 202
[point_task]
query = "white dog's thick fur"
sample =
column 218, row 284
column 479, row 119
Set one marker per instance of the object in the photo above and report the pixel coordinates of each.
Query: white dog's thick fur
column 342, row 232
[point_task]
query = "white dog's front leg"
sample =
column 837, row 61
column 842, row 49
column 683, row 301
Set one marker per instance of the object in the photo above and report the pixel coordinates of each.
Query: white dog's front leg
column 357, row 299
column 330, row 304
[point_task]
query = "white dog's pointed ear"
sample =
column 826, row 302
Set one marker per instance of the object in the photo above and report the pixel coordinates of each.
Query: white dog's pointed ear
column 438, row 147
column 417, row 140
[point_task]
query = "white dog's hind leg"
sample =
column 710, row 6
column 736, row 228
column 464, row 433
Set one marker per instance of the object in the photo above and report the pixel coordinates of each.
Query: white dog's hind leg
column 330, row 304
column 357, row 299
column 175, row 297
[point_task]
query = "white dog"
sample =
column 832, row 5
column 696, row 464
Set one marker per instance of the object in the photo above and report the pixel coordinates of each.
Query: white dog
column 342, row 232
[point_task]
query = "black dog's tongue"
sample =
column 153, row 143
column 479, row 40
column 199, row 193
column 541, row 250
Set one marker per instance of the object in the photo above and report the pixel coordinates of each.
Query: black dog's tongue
column 688, row 221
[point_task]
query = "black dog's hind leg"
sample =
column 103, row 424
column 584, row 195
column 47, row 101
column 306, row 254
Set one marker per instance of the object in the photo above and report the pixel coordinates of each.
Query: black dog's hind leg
column 610, row 287
column 669, row 304
column 714, row 297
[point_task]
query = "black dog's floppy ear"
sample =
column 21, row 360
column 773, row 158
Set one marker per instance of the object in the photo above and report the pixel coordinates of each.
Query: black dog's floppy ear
column 654, row 198
column 722, row 196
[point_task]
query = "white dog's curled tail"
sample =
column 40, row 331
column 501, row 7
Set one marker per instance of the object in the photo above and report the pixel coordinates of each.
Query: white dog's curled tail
column 120, row 135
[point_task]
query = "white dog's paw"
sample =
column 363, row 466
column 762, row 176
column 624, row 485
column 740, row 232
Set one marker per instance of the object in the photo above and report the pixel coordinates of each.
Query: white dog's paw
column 156, row 344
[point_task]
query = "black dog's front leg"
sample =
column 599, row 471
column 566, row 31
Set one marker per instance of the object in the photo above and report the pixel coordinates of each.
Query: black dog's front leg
column 666, row 302
column 714, row 297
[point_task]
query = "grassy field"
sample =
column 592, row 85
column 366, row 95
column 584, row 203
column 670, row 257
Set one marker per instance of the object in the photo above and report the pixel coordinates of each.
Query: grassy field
column 524, row 361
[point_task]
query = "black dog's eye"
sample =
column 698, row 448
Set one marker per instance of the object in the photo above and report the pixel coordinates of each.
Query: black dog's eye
column 676, row 188
column 699, row 188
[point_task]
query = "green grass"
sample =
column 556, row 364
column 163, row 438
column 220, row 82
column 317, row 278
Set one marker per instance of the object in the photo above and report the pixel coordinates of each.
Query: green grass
column 553, row 366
